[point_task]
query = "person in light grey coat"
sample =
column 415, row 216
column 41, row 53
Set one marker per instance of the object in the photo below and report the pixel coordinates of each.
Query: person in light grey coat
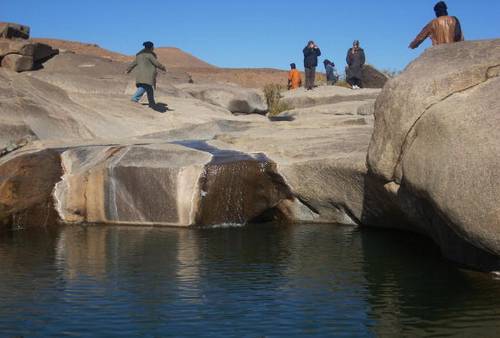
column 145, row 68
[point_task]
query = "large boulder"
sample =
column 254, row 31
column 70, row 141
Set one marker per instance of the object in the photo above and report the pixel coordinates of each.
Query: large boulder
column 18, row 63
column 373, row 78
column 236, row 99
column 435, row 147
column 24, row 55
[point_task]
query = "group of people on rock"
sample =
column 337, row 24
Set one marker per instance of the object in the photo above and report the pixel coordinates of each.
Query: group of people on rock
column 443, row 29
column 354, row 71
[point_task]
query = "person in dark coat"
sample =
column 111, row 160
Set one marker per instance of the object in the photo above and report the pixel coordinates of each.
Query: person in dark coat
column 145, row 65
column 355, row 61
column 311, row 54
column 331, row 73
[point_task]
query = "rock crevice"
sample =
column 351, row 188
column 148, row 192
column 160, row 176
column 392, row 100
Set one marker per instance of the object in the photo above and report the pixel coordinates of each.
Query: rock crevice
column 491, row 73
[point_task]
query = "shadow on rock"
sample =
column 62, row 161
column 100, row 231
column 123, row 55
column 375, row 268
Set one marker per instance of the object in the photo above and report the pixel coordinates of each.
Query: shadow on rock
column 395, row 207
column 279, row 118
column 160, row 107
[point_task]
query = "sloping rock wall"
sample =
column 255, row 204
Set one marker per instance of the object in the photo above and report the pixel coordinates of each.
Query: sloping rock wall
column 435, row 146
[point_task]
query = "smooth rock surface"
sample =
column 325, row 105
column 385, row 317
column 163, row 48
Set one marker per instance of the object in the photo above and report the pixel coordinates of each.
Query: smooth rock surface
column 18, row 63
column 373, row 78
column 231, row 97
column 436, row 141
column 108, row 146
column 301, row 98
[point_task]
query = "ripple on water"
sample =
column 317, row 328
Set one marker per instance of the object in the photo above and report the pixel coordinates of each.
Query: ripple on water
column 258, row 280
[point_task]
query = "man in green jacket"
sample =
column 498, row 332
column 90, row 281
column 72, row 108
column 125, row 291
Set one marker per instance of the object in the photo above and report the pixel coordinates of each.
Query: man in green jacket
column 146, row 66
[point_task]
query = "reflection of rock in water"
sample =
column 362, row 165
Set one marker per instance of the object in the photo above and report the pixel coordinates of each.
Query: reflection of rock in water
column 143, row 258
column 82, row 251
column 413, row 292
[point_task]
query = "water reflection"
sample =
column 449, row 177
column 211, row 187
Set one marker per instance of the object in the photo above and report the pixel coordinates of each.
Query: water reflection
column 414, row 291
column 314, row 280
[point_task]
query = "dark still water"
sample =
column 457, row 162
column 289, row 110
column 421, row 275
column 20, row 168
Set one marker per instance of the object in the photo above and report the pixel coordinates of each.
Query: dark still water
column 254, row 281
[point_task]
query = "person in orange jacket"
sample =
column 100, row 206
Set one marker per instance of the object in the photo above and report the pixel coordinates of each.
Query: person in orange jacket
column 294, row 77
column 443, row 29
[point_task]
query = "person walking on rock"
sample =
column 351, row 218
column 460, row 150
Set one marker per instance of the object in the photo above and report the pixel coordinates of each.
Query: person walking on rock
column 311, row 54
column 294, row 77
column 443, row 29
column 331, row 73
column 145, row 65
column 355, row 61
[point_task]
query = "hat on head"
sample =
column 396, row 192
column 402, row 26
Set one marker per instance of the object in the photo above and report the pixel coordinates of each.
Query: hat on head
column 355, row 43
column 148, row 44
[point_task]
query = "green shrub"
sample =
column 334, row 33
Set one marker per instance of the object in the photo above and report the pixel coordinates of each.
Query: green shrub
column 272, row 92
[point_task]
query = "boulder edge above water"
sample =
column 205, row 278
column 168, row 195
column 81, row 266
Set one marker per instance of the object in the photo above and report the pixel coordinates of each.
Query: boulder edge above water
column 435, row 148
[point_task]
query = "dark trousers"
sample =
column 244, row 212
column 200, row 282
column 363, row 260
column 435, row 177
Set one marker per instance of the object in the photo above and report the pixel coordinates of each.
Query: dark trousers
column 354, row 81
column 145, row 88
column 310, row 77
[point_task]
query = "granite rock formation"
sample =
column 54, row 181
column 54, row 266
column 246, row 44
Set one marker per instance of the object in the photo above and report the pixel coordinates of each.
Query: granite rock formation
column 435, row 148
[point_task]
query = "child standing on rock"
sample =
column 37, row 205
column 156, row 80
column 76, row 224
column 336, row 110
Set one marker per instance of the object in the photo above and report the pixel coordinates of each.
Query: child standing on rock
column 331, row 72
column 294, row 78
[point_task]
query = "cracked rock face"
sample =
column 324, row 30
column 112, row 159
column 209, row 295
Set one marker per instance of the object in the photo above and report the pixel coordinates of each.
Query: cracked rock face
column 436, row 138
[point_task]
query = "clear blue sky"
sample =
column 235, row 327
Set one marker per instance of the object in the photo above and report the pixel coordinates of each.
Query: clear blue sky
column 256, row 33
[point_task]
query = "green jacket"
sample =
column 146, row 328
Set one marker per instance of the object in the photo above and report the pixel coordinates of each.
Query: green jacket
column 145, row 65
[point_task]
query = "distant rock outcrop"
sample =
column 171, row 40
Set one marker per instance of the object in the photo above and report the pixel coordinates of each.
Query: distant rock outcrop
column 436, row 148
column 13, row 30
column 373, row 78
column 19, row 54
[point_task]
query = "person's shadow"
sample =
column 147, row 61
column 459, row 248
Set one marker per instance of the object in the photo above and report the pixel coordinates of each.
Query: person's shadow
column 161, row 107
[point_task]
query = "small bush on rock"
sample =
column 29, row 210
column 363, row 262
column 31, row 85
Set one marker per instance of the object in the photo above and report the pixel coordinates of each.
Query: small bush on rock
column 272, row 92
